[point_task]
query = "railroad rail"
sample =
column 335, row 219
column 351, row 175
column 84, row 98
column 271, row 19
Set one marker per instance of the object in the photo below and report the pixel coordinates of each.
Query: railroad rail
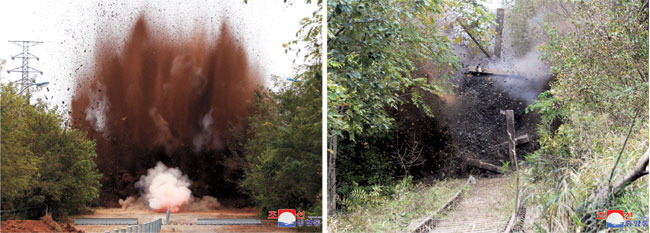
column 430, row 222
column 475, row 213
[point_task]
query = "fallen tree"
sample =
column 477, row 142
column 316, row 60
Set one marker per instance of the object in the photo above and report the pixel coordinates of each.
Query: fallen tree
column 604, row 194
column 483, row 165
column 634, row 174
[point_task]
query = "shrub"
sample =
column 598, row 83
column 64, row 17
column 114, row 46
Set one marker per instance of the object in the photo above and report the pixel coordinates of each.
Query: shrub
column 45, row 164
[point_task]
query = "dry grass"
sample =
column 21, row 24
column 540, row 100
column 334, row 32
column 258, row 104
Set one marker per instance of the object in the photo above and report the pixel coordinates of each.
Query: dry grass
column 394, row 214
column 560, row 185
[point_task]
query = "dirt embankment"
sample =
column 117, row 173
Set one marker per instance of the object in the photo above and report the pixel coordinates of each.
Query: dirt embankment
column 46, row 224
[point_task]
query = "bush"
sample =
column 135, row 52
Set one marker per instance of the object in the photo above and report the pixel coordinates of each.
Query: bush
column 284, row 149
column 364, row 164
column 601, row 62
column 45, row 164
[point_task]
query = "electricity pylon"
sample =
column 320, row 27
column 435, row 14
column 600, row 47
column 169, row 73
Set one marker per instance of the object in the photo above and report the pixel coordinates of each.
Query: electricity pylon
column 25, row 69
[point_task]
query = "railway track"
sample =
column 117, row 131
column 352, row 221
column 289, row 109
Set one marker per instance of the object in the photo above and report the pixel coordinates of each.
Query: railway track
column 485, row 207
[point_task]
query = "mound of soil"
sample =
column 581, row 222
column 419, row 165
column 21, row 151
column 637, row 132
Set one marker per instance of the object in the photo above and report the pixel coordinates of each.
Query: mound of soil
column 36, row 226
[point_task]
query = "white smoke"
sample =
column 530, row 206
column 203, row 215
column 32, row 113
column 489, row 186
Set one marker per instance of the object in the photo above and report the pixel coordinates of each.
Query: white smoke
column 530, row 78
column 165, row 187
column 204, row 137
column 96, row 110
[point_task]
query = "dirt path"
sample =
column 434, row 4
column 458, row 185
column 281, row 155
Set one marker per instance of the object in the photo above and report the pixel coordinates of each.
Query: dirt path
column 485, row 208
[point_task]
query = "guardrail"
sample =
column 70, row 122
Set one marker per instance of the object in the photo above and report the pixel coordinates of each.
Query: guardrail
column 105, row 221
column 241, row 221
column 153, row 226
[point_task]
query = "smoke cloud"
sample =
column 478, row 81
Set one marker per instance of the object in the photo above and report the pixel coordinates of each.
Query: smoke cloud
column 165, row 187
column 530, row 76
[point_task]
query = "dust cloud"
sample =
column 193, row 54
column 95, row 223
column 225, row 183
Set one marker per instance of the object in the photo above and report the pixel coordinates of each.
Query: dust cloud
column 164, row 188
column 158, row 97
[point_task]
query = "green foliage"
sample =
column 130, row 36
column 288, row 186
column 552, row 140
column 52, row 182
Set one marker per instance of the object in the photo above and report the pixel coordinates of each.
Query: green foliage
column 504, row 166
column 284, row 152
column 477, row 19
column 524, row 22
column 374, row 51
column 600, row 63
column 518, row 26
column 391, row 208
column 635, row 201
column 45, row 164
column 363, row 165
column 601, row 76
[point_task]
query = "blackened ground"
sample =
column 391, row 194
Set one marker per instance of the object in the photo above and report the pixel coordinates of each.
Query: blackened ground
column 478, row 127
column 434, row 136
column 467, row 124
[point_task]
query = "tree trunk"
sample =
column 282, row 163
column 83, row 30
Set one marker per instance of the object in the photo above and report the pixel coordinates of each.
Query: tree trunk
column 331, row 176
column 483, row 165
column 466, row 29
column 499, row 40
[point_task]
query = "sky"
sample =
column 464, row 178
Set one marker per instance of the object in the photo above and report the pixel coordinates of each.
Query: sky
column 493, row 4
column 69, row 31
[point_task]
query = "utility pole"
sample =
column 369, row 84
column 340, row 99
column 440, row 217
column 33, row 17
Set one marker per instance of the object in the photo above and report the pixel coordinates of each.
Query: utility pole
column 499, row 38
column 25, row 69
column 167, row 222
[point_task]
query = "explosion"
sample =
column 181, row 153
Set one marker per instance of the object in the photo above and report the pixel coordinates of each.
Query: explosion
column 165, row 187
column 164, row 98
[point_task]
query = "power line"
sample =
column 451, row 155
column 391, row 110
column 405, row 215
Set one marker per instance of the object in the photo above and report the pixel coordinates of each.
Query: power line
column 25, row 69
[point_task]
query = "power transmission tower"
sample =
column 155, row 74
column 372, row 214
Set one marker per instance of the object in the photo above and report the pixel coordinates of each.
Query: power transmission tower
column 25, row 69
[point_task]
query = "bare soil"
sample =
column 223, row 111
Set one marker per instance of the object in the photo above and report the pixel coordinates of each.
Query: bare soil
column 183, row 221
column 36, row 226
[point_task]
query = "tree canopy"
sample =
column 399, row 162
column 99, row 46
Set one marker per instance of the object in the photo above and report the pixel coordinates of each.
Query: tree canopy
column 284, row 149
column 45, row 164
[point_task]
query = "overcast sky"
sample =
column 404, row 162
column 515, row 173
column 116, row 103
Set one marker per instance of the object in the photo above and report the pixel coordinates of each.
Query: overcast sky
column 69, row 30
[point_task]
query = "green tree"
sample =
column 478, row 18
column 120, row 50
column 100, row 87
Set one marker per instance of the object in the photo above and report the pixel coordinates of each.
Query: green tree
column 374, row 48
column 284, row 150
column 45, row 164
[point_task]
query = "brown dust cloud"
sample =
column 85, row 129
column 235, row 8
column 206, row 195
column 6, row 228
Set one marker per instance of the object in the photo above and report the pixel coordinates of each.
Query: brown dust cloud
column 162, row 98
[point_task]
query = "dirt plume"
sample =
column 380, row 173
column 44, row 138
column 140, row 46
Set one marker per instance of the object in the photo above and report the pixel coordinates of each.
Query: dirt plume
column 205, row 203
column 164, row 98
